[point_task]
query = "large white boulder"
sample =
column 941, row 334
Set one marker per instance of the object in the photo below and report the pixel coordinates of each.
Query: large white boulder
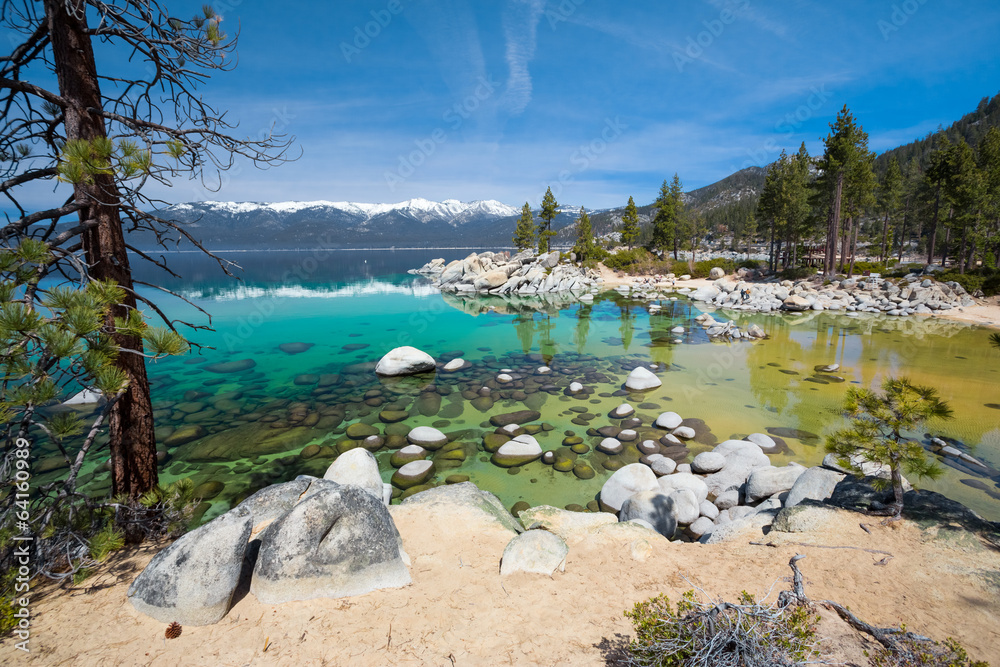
column 358, row 467
column 404, row 360
column 625, row 482
column 764, row 482
column 338, row 542
column 685, row 480
column 685, row 505
column 192, row 580
column 642, row 379
column 655, row 508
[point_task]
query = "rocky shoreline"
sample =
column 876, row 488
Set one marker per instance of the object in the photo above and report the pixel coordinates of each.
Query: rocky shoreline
column 500, row 273
column 527, row 274
column 335, row 537
column 918, row 295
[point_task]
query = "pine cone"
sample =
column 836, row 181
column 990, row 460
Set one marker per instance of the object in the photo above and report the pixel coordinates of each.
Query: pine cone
column 173, row 631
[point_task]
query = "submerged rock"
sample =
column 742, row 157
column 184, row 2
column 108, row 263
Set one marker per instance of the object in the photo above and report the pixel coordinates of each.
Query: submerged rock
column 522, row 449
column 231, row 366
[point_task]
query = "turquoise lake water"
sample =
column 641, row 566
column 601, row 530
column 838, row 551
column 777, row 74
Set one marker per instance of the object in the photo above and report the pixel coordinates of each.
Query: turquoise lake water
column 285, row 411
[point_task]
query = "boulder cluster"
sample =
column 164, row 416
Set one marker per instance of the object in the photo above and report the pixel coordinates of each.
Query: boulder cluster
column 914, row 295
column 499, row 273
column 304, row 539
column 720, row 493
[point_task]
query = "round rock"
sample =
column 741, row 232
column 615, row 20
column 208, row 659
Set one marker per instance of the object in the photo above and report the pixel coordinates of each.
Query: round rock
column 404, row 360
column 427, row 437
column 522, row 449
column 708, row 462
column 413, row 473
column 765, row 442
column 683, row 432
column 642, row 379
column 610, row 446
column 669, row 420
column 622, row 411
column 625, row 482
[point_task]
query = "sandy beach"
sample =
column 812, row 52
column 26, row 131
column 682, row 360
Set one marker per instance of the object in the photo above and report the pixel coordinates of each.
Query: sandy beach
column 459, row 611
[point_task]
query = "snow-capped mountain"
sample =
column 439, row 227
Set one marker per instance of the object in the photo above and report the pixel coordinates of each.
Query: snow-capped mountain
column 411, row 223
column 424, row 210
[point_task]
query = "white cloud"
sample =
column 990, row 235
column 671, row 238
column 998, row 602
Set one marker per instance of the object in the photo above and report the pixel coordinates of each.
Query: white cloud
column 520, row 23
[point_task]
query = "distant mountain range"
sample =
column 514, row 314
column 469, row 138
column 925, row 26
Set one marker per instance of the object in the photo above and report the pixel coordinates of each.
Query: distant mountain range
column 419, row 223
column 416, row 223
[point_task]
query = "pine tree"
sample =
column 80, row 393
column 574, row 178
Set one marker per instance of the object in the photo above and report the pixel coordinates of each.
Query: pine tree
column 988, row 155
column 548, row 213
column 876, row 433
column 935, row 177
column 524, row 233
column 677, row 206
column 108, row 130
column 585, row 247
column 890, row 196
column 630, row 224
column 844, row 148
column 664, row 223
column 770, row 207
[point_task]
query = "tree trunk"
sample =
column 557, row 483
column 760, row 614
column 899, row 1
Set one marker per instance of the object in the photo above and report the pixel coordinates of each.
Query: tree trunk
column 854, row 248
column 933, row 240
column 902, row 231
column 897, row 490
column 833, row 226
column 962, row 256
column 885, row 238
column 772, row 263
column 947, row 240
column 132, row 440
column 845, row 241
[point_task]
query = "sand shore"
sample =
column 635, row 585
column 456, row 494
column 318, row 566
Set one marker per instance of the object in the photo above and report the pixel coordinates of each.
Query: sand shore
column 458, row 611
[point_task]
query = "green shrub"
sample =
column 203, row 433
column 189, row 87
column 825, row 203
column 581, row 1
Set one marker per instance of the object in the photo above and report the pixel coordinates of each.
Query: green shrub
column 970, row 282
column 874, row 267
column 637, row 261
column 913, row 653
column 7, row 596
column 901, row 270
column 747, row 633
column 702, row 268
column 797, row 273
column 991, row 285
column 752, row 264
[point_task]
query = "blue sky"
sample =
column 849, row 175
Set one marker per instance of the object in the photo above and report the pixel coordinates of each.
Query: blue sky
column 600, row 100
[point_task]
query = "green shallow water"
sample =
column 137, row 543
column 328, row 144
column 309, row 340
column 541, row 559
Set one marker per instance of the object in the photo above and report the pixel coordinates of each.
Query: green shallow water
column 733, row 388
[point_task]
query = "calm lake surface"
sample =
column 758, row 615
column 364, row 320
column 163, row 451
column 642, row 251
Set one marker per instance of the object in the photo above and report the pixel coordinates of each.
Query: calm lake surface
column 276, row 413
